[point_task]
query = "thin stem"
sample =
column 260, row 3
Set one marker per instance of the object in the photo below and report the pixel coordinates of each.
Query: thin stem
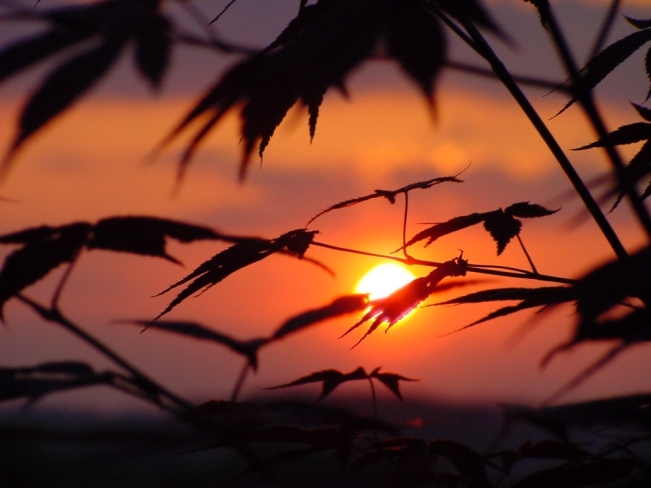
column 53, row 315
column 64, row 279
column 404, row 225
column 524, row 249
column 484, row 49
column 240, row 382
column 374, row 401
column 504, row 271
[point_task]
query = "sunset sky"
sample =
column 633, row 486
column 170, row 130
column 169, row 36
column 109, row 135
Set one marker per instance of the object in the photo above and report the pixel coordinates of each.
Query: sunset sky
column 90, row 164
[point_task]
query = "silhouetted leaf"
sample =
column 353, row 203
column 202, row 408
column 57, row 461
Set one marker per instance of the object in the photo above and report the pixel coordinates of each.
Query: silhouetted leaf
column 417, row 42
column 236, row 257
column 643, row 112
column 608, row 285
column 20, row 55
column 340, row 306
column 248, row 349
column 626, row 134
column 44, row 249
column 62, row 88
column 317, row 51
column 37, row 381
column 388, row 194
column 402, row 301
column 153, row 46
column 599, row 292
column 145, row 235
column 640, row 165
column 331, row 379
column 543, row 10
column 390, row 380
column 444, row 228
column 605, row 62
column 502, row 228
column 500, row 224
column 92, row 36
column 526, row 210
column 529, row 297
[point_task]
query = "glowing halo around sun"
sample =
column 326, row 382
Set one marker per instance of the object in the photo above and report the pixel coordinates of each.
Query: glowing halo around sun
column 384, row 279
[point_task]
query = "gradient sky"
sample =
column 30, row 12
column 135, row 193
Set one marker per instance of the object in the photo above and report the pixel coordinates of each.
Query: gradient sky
column 90, row 164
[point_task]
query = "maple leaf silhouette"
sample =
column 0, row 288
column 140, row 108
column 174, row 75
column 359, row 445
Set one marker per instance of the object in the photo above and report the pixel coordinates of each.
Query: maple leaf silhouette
column 543, row 297
column 332, row 378
column 394, row 307
column 248, row 349
column 600, row 292
column 607, row 60
column 34, row 382
column 238, row 256
column 45, row 248
column 390, row 380
column 501, row 224
column 640, row 165
column 316, row 52
column 340, row 306
column 94, row 36
column 343, row 305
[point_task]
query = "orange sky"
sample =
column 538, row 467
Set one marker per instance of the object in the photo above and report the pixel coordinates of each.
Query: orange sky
column 89, row 165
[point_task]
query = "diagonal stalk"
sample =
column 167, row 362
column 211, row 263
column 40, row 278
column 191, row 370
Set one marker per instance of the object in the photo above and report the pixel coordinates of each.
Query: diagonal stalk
column 484, row 50
column 526, row 253
column 589, row 106
column 494, row 270
column 53, row 315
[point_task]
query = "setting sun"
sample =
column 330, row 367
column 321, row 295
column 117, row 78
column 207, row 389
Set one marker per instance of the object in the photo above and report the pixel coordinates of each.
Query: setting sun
column 384, row 279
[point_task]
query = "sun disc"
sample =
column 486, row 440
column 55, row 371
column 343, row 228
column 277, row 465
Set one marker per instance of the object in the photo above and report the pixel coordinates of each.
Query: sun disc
column 384, row 279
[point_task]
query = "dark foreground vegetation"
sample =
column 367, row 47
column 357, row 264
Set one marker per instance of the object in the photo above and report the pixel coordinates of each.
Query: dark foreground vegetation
column 280, row 440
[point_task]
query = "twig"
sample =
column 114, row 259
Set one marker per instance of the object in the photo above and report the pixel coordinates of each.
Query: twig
column 504, row 271
column 54, row 315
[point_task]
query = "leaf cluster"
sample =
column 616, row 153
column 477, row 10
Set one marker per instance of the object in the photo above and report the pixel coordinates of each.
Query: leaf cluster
column 44, row 248
column 502, row 224
column 332, row 378
column 604, row 63
column 397, row 305
column 317, row 51
column 37, row 381
column 640, row 164
column 236, row 257
column 249, row 348
column 91, row 37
